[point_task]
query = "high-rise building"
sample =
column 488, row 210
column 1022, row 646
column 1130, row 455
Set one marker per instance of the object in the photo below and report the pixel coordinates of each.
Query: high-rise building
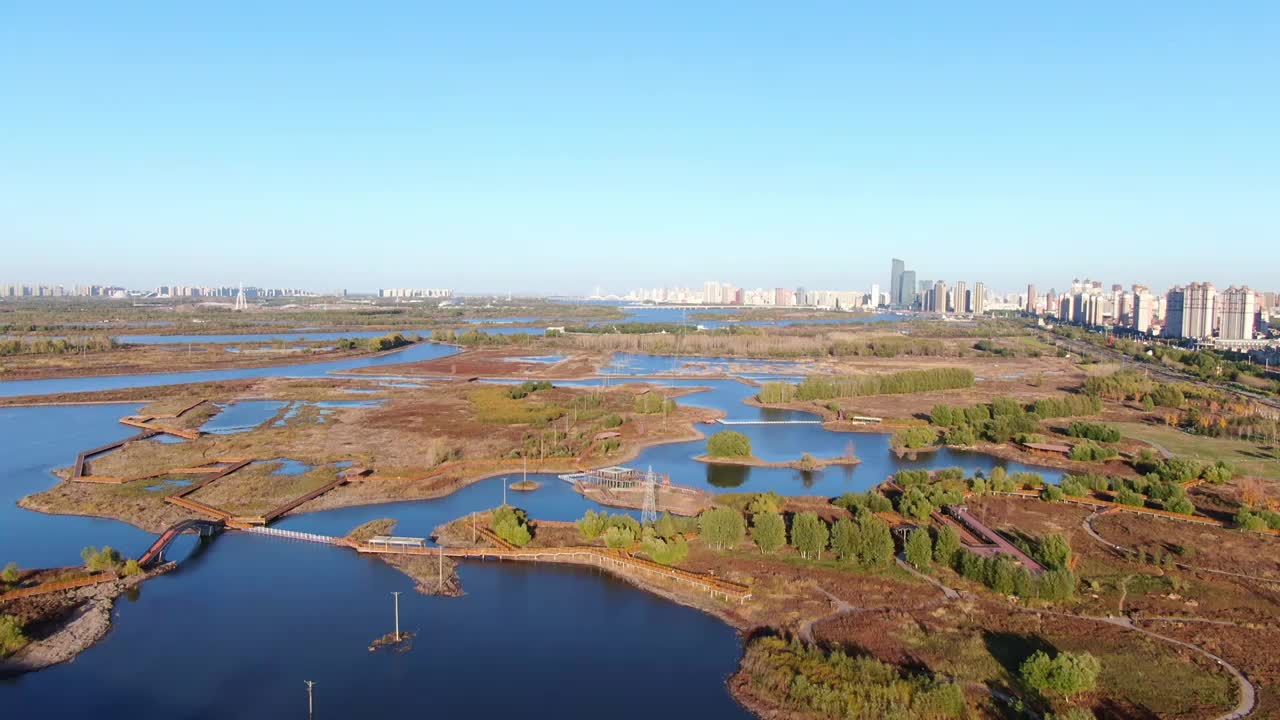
column 1031, row 299
column 1095, row 308
column 1199, row 310
column 875, row 294
column 896, row 269
column 959, row 302
column 907, row 289
column 938, row 297
column 1239, row 311
column 979, row 304
column 1143, row 309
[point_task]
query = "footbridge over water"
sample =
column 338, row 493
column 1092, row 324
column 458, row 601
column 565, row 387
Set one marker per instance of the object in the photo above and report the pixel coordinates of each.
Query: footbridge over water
column 155, row 553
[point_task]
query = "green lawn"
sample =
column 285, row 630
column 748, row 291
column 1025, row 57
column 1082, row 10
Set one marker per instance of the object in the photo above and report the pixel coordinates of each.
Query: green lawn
column 1252, row 458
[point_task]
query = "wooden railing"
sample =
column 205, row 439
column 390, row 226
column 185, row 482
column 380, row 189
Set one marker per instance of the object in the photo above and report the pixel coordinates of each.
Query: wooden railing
column 57, row 585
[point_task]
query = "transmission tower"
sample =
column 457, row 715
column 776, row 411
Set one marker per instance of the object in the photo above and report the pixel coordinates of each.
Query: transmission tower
column 240, row 301
column 649, row 512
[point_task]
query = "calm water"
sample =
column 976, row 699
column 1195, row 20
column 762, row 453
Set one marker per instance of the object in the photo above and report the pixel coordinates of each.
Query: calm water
column 245, row 619
column 413, row 353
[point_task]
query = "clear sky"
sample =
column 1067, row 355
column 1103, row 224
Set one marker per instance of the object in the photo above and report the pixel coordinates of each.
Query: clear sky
column 548, row 146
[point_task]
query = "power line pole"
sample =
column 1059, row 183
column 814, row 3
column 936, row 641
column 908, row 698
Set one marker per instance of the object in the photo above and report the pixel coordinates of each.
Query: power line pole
column 397, row 596
column 311, row 708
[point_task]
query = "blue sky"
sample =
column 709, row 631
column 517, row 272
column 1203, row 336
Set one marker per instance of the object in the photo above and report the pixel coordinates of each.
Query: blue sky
column 560, row 146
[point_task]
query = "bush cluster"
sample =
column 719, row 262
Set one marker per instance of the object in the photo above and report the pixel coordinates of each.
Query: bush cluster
column 809, row 680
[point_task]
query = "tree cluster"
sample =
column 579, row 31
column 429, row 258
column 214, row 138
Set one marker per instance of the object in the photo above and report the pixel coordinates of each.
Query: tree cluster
column 511, row 524
column 809, row 680
column 729, row 444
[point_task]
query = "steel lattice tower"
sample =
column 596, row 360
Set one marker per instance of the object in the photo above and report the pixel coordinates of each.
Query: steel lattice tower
column 649, row 512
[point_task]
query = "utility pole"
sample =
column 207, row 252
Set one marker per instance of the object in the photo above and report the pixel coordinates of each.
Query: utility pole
column 311, row 708
column 440, row 577
column 397, row 596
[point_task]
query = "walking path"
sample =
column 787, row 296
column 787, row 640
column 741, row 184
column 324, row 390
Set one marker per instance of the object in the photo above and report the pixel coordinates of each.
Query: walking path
column 1087, row 525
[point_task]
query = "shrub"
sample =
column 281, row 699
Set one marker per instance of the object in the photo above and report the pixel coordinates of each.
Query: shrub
column 612, row 420
column 1067, row 674
column 1093, row 431
column 1217, row 474
column 1053, row 493
column 10, row 573
column 767, row 502
column 98, row 560
column 1246, row 519
column 1180, row 505
column 131, row 568
column 1072, row 487
column 1089, row 451
column 913, row 437
column 666, row 552
column 618, row 537
column 510, row 524
column 12, row 638
column 869, row 501
column 1125, row 496
column 768, row 531
column 729, row 444
column 806, row 681
column 1179, row 469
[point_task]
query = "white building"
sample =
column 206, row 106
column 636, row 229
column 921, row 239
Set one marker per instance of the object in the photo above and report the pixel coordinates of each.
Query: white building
column 1239, row 311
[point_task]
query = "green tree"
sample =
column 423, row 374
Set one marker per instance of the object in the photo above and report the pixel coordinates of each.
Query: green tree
column 98, row 560
column 723, row 527
column 1067, row 674
column 1054, row 552
column 914, row 504
column 919, row 549
column 131, row 568
column 666, row 527
column 1125, row 496
column 768, row 531
column 845, row 540
column 592, row 524
column 945, row 546
column 11, row 636
column 511, row 524
column 10, row 573
column 618, row 537
column 666, row 552
column 875, row 543
column 809, row 535
column 729, row 444
column 768, row 502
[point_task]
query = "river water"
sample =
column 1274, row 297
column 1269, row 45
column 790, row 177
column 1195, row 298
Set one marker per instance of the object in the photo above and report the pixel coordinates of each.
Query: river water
column 244, row 620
